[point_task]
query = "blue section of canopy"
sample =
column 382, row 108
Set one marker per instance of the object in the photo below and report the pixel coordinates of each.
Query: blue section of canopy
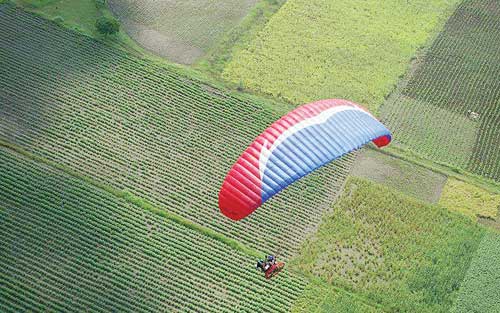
column 317, row 145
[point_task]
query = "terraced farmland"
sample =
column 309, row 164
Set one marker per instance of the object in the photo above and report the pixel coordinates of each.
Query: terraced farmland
column 67, row 246
column 430, row 112
column 182, row 31
column 137, row 126
column 396, row 251
column 316, row 49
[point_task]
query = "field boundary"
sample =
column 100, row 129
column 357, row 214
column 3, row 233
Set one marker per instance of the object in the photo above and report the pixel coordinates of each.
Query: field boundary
column 138, row 201
column 411, row 156
column 221, row 53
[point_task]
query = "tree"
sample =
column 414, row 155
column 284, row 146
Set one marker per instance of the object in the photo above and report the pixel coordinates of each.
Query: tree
column 107, row 25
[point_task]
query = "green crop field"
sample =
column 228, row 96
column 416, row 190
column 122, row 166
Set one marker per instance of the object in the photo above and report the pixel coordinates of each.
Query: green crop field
column 111, row 158
column 141, row 127
column 68, row 246
column 392, row 249
column 480, row 291
column 318, row 49
column 458, row 74
column 181, row 31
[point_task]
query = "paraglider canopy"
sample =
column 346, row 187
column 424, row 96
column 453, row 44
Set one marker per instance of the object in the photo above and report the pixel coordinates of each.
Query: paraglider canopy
column 305, row 139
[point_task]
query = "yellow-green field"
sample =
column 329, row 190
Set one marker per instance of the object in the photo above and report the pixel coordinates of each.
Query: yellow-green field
column 319, row 49
column 470, row 200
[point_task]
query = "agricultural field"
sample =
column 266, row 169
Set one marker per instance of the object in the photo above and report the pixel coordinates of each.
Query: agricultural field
column 480, row 291
column 431, row 111
column 144, row 128
column 318, row 49
column 321, row 297
column 413, row 180
column 111, row 158
column 391, row 249
column 181, row 31
column 68, row 246
column 470, row 200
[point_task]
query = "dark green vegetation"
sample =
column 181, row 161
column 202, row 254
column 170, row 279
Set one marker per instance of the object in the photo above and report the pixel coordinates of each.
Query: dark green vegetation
column 144, row 128
column 392, row 249
column 107, row 25
column 480, row 291
column 458, row 74
column 414, row 180
column 68, row 246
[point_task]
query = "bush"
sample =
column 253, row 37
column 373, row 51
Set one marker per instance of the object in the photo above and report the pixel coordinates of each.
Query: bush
column 59, row 19
column 100, row 4
column 107, row 25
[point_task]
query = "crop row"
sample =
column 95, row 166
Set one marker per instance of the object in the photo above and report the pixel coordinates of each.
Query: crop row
column 68, row 246
column 449, row 106
column 142, row 127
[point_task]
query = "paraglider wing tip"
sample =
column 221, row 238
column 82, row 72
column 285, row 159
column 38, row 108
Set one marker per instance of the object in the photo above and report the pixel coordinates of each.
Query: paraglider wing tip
column 382, row 141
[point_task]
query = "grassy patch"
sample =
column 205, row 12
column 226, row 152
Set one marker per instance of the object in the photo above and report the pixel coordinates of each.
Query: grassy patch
column 347, row 49
column 414, row 180
column 396, row 251
column 398, row 151
column 321, row 297
column 457, row 75
column 480, row 291
column 470, row 200
column 81, row 16
column 77, row 14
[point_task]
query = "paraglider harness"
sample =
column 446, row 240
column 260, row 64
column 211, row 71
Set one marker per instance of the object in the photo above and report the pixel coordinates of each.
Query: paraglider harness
column 270, row 267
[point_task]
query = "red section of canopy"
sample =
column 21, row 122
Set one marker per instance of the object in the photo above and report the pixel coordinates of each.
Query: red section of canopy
column 382, row 141
column 241, row 191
